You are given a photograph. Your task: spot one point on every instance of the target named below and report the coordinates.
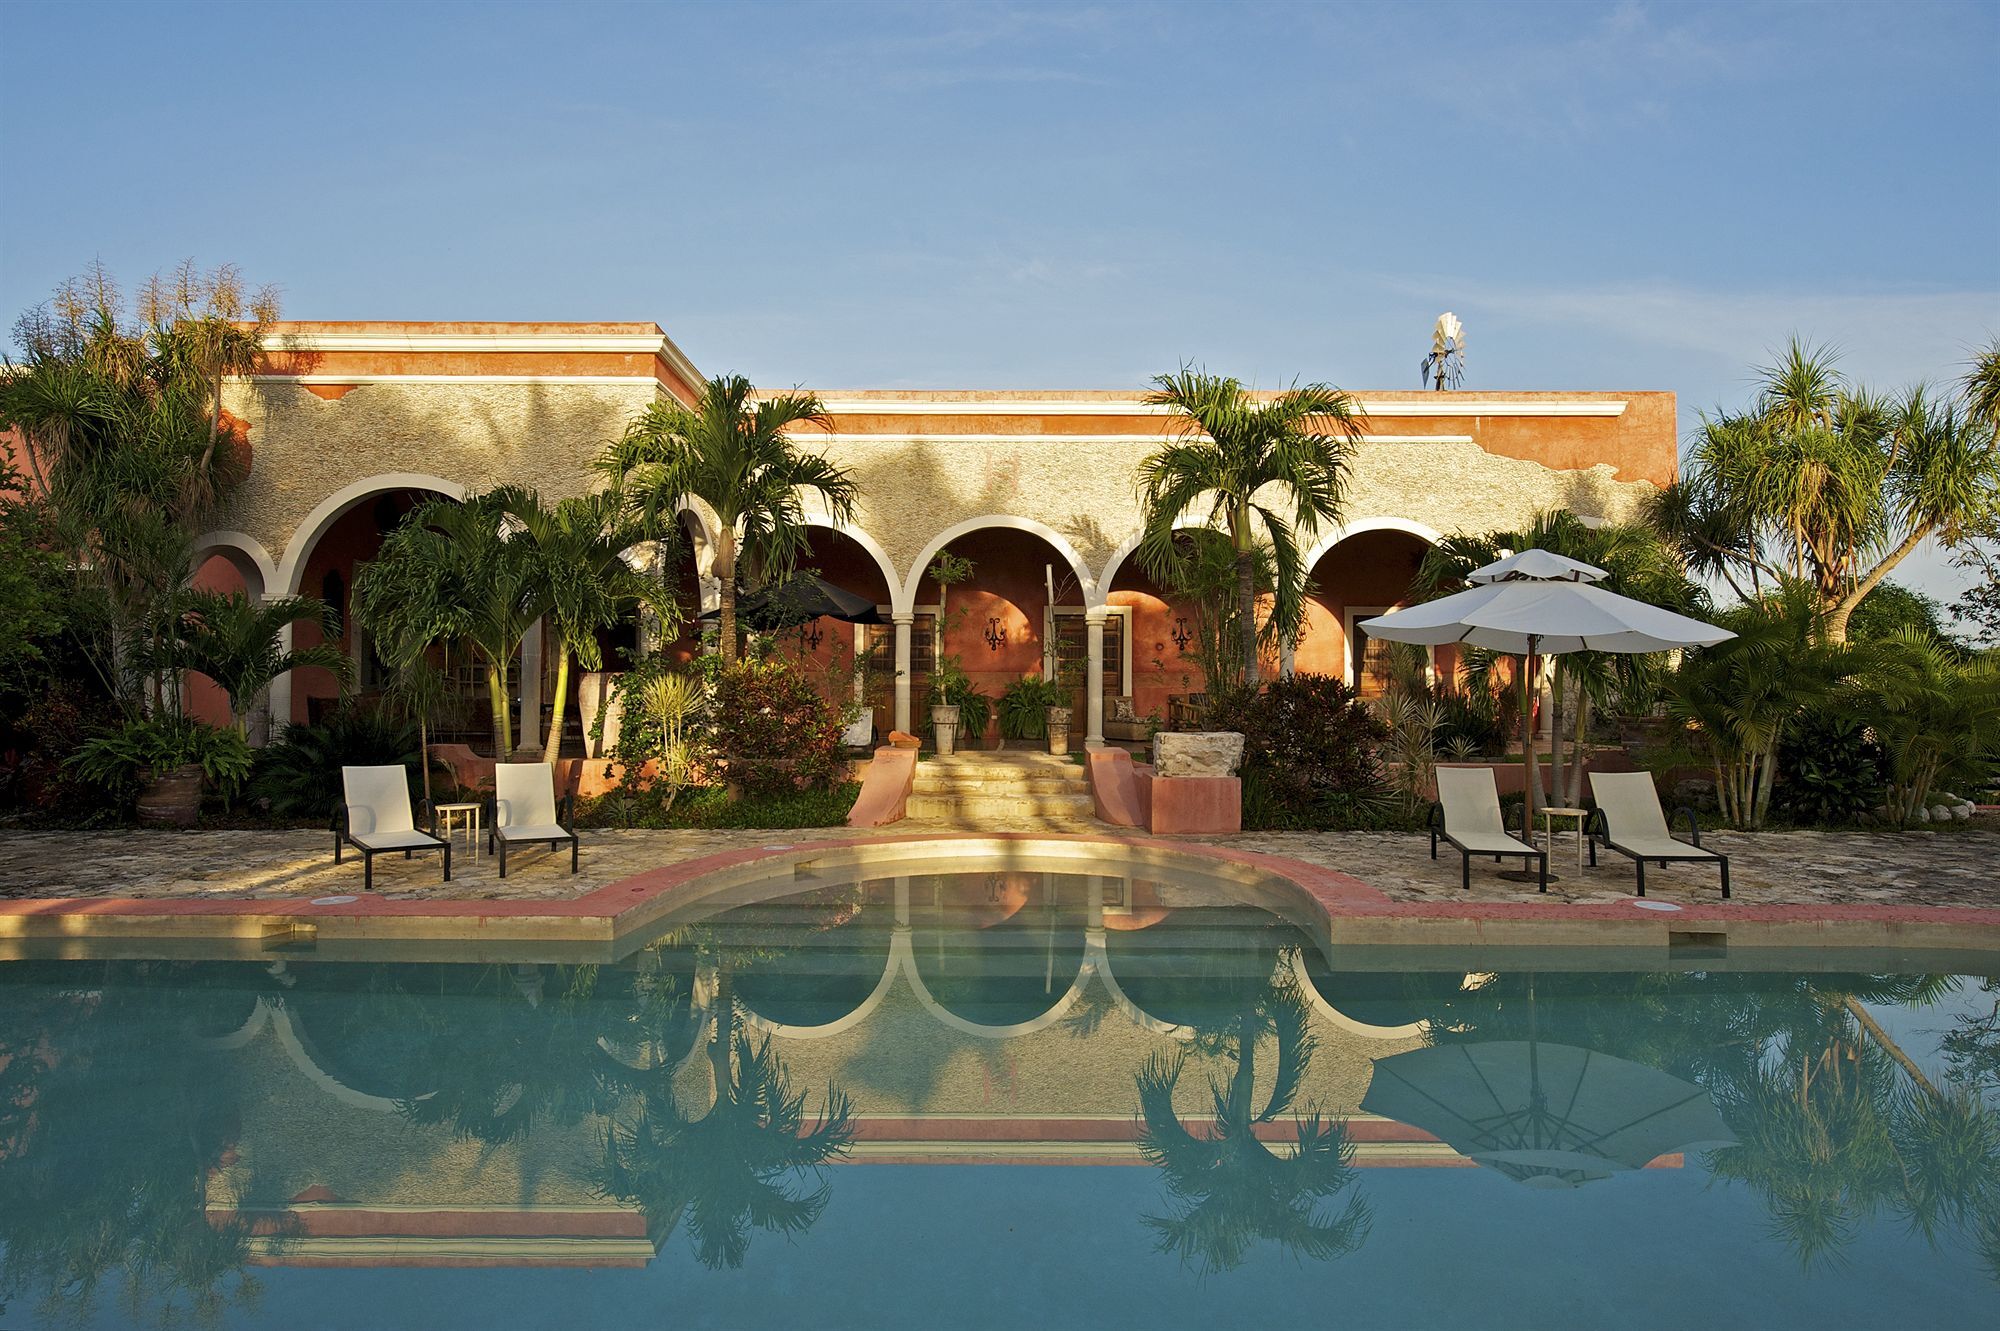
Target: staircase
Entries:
(1003, 791)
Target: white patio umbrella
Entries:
(1537, 603)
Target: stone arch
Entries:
(331, 509)
(907, 588)
(1320, 549)
(887, 567)
(245, 553)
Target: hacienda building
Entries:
(350, 424)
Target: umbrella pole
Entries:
(1528, 735)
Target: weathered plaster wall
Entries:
(304, 448)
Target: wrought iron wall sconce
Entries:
(996, 637)
(810, 635)
(1182, 634)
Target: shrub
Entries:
(1830, 769)
(1309, 757)
(54, 724)
(125, 759)
(300, 774)
(710, 806)
(952, 687)
(772, 730)
(1024, 707)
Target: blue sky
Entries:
(1610, 195)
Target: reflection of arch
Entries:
(907, 591)
(808, 994)
(329, 511)
(1428, 535)
(1302, 971)
(245, 553)
(301, 1054)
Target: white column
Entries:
(278, 697)
(1286, 655)
(1093, 685)
(903, 630)
(528, 729)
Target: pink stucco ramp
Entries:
(1114, 788)
(885, 791)
(1196, 805)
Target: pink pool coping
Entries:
(1339, 895)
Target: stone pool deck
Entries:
(1959, 867)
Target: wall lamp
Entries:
(996, 637)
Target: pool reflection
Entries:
(177, 1125)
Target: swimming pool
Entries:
(1032, 1096)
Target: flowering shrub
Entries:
(1309, 753)
(772, 731)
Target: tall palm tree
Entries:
(1248, 462)
(1230, 1189)
(733, 451)
(453, 573)
(235, 642)
(580, 548)
(1982, 385)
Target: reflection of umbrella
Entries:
(1534, 603)
(1548, 1115)
(801, 597)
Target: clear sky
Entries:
(1612, 196)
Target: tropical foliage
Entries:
(732, 453)
(771, 729)
(237, 643)
(1024, 706)
(1309, 753)
(1270, 473)
(299, 774)
(123, 760)
(1828, 483)
(1935, 715)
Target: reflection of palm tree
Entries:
(735, 1167)
(95, 1184)
(1229, 1188)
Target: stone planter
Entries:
(597, 692)
(1197, 753)
(1059, 719)
(172, 799)
(944, 729)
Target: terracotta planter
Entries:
(172, 799)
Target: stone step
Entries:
(974, 807)
(946, 784)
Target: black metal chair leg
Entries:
(447, 861)
(574, 847)
(1642, 876)
(1544, 885)
(1465, 872)
(336, 847)
(503, 857)
(408, 853)
(1725, 878)
(367, 871)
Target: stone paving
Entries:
(1956, 867)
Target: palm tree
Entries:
(453, 573)
(1982, 386)
(235, 642)
(1937, 716)
(729, 1169)
(1229, 1187)
(580, 546)
(735, 455)
(1246, 461)
(1825, 482)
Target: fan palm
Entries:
(453, 573)
(1270, 473)
(580, 548)
(733, 451)
(236, 642)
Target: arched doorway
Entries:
(1365, 571)
(1029, 606)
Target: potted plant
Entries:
(1032, 708)
(165, 762)
(949, 683)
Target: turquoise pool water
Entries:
(1029, 1098)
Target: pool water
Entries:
(1025, 1098)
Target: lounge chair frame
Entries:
(1439, 832)
(1598, 828)
(497, 838)
(343, 836)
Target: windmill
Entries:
(1445, 366)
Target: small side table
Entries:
(1582, 816)
(452, 816)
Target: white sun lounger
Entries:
(1467, 815)
(524, 811)
(1629, 821)
(375, 819)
